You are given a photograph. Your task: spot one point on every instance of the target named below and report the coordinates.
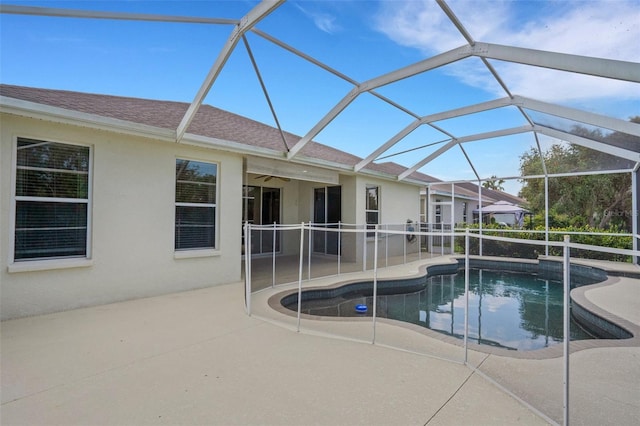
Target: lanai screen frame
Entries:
(598, 67)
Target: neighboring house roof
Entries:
(459, 191)
(209, 122)
(493, 195)
(470, 190)
(502, 207)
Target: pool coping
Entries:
(577, 296)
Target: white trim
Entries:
(287, 169)
(12, 203)
(201, 251)
(75, 118)
(49, 264)
(368, 186)
(196, 253)
(52, 199)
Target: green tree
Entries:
(494, 183)
(602, 200)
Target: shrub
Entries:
(584, 235)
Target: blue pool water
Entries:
(511, 310)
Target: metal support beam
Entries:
(588, 143)
(327, 68)
(470, 138)
(458, 112)
(598, 120)
(428, 159)
(495, 134)
(391, 142)
(121, 16)
(255, 15)
(434, 62)
(608, 68)
(265, 92)
(467, 110)
(324, 122)
(455, 21)
(473, 168)
(397, 75)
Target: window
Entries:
(464, 212)
(372, 210)
(438, 211)
(195, 205)
(51, 200)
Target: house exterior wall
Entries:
(132, 224)
(459, 211)
(397, 203)
(349, 199)
(446, 209)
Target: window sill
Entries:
(46, 265)
(190, 254)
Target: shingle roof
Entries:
(210, 122)
(492, 194)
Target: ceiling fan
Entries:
(267, 178)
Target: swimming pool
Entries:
(517, 311)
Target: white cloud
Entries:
(419, 24)
(606, 29)
(324, 21)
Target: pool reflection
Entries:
(510, 310)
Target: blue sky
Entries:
(361, 39)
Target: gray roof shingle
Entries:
(209, 121)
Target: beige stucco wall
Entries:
(398, 202)
(446, 209)
(132, 224)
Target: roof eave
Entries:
(54, 114)
(60, 115)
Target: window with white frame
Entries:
(438, 211)
(372, 210)
(196, 206)
(464, 212)
(51, 200)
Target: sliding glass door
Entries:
(327, 212)
(262, 207)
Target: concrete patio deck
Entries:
(197, 358)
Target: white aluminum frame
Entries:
(598, 67)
